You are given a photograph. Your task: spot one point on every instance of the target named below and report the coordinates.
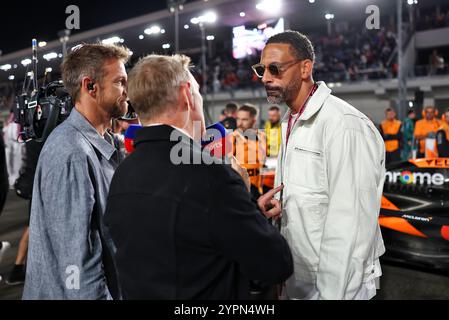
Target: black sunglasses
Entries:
(274, 68)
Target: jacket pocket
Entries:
(306, 168)
(303, 231)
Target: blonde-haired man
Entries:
(185, 230)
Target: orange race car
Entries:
(414, 212)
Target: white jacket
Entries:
(333, 171)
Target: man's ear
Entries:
(189, 94)
(306, 69)
(185, 99)
(89, 85)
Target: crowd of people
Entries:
(434, 19)
(412, 138)
(344, 56)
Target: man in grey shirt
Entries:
(69, 247)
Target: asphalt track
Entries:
(398, 281)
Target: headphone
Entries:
(90, 86)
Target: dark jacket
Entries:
(188, 231)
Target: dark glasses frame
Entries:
(274, 68)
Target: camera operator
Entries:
(69, 247)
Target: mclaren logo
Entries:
(423, 219)
(420, 178)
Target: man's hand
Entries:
(241, 171)
(269, 206)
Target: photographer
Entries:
(69, 248)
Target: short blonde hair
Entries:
(88, 61)
(153, 84)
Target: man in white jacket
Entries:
(332, 165)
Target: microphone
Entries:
(130, 114)
(130, 134)
(217, 140)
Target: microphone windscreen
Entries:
(217, 140)
(130, 134)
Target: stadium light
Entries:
(48, 70)
(11, 77)
(242, 14)
(311, 1)
(329, 17)
(152, 30)
(186, 26)
(25, 62)
(210, 38)
(209, 17)
(42, 44)
(112, 40)
(5, 67)
(412, 2)
(272, 6)
(50, 56)
(166, 46)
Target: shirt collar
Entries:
(313, 105)
(80, 123)
(158, 132)
(316, 101)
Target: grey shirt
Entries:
(71, 184)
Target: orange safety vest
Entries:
(423, 127)
(391, 128)
(250, 152)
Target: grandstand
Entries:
(360, 65)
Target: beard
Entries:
(119, 108)
(278, 94)
(116, 109)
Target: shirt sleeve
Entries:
(68, 199)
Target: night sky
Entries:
(21, 21)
